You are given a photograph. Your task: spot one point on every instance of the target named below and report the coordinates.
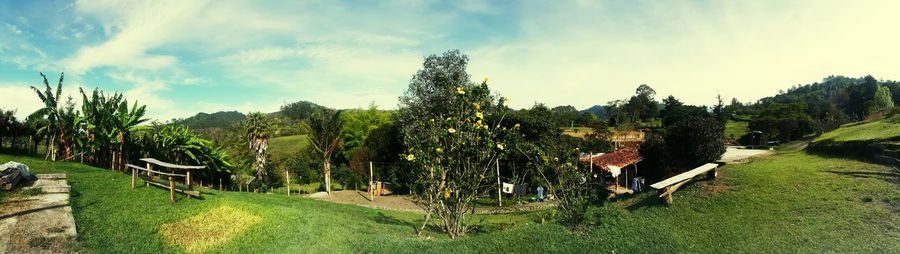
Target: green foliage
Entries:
(685, 145)
(784, 122)
(300, 110)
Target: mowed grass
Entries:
(885, 129)
(790, 202)
(736, 129)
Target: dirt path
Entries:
(405, 203)
(41, 222)
(737, 155)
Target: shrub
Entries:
(695, 141)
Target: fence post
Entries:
(499, 185)
(371, 179)
(172, 189)
(287, 176)
(133, 176)
(187, 181)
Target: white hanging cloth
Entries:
(508, 188)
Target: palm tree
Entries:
(325, 137)
(258, 129)
(51, 111)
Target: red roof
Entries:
(620, 158)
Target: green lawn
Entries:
(886, 129)
(790, 202)
(736, 129)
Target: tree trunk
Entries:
(327, 172)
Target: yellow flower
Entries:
(485, 127)
(446, 193)
(410, 157)
(451, 130)
(517, 126)
(476, 105)
(460, 90)
(479, 115)
(439, 150)
(478, 123)
(500, 146)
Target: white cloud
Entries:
(19, 97)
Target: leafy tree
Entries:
(51, 111)
(325, 136)
(642, 106)
(300, 110)
(882, 101)
(258, 129)
(453, 133)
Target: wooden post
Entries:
(149, 174)
(499, 185)
(172, 189)
(220, 183)
(133, 177)
(371, 180)
(187, 181)
(591, 163)
(287, 177)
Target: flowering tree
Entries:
(453, 146)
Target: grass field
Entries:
(789, 202)
(886, 129)
(736, 129)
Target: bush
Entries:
(695, 141)
(686, 144)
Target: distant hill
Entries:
(597, 110)
(220, 119)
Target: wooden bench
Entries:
(669, 186)
(147, 177)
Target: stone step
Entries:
(51, 176)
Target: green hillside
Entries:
(221, 119)
(886, 129)
(286, 146)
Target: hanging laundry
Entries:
(508, 188)
(519, 190)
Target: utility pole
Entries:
(287, 176)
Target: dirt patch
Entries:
(715, 187)
(406, 203)
(209, 229)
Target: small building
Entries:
(616, 170)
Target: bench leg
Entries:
(712, 174)
(667, 195)
(133, 177)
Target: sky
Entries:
(184, 57)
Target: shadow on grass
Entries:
(890, 177)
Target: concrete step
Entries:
(51, 176)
